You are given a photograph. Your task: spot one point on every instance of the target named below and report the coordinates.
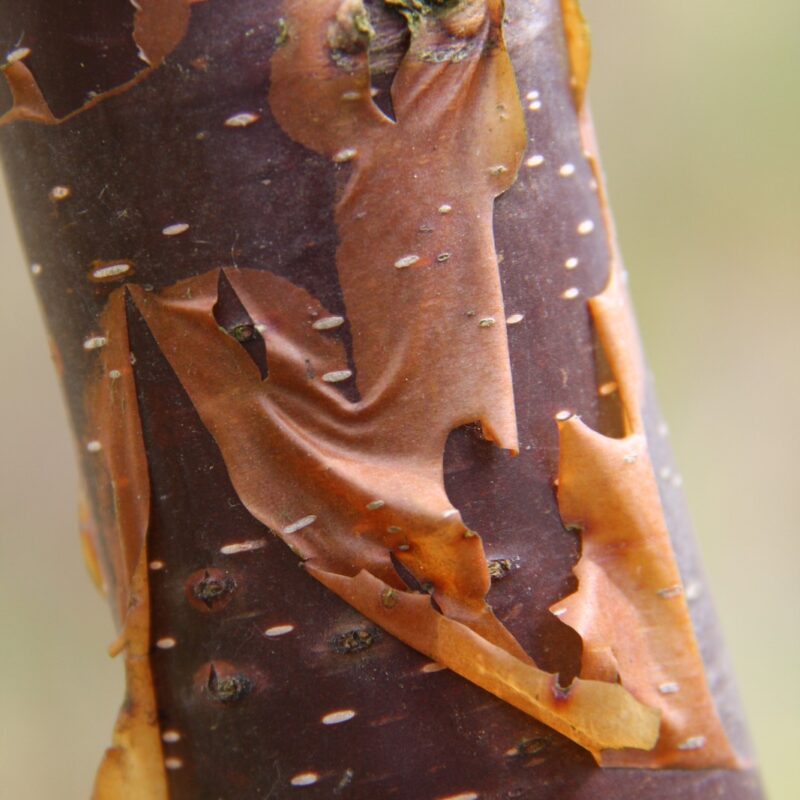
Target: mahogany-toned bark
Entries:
(370, 459)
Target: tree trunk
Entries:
(294, 258)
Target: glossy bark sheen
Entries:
(251, 696)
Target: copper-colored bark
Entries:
(426, 363)
(159, 27)
(579, 49)
(120, 527)
(630, 607)
(348, 470)
(345, 543)
(29, 103)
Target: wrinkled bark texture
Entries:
(196, 167)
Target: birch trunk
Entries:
(370, 456)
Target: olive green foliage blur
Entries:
(697, 106)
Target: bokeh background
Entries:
(697, 106)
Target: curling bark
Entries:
(334, 285)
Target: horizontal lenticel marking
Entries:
(337, 717)
(327, 323)
(242, 120)
(278, 630)
(337, 376)
(304, 779)
(243, 547)
(304, 522)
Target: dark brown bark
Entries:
(248, 705)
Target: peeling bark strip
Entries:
(119, 532)
(456, 87)
(423, 365)
(325, 468)
(630, 608)
(358, 348)
(159, 27)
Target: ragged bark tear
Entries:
(630, 608)
(159, 27)
(579, 49)
(134, 766)
(233, 318)
(357, 488)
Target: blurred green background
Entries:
(697, 106)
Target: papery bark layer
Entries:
(179, 165)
